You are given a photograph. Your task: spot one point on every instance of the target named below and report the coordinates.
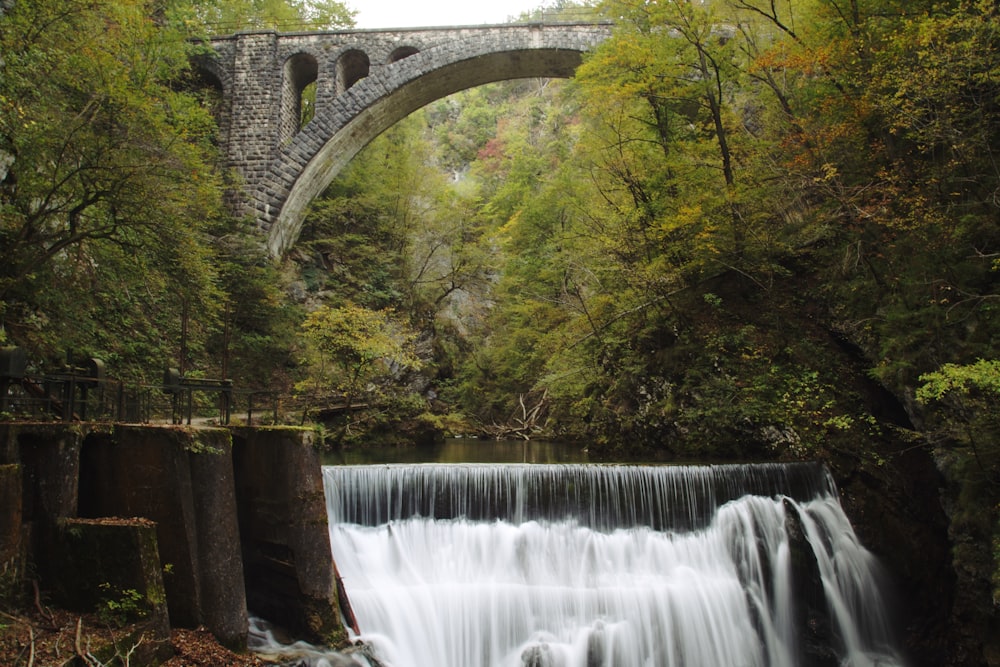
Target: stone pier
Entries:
(237, 519)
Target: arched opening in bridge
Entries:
(401, 230)
(298, 93)
(403, 52)
(352, 66)
(207, 85)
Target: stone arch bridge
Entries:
(365, 81)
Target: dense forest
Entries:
(746, 229)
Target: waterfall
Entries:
(605, 566)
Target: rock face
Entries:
(897, 510)
(6, 159)
(972, 506)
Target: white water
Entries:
(268, 644)
(597, 566)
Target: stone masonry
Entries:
(365, 81)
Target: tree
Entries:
(256, 340)
(354, 347)
(970, 392)
(108, 165)
(227, 16)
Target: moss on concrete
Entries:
(111, 566)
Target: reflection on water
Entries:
(465, 450)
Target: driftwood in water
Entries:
(521, 426)
(344, 602)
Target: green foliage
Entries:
(364, 226)
(981, 377)
(394, 233)
(259, 323)
(463, 124)
(114, 240)
(713, 300)
(104, 205)
(354, 346)
(228, 16)
(967, 397)
(118, 608)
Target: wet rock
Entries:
(814, 627)
(596, 643)
(539, 655)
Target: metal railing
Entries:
(81, 392)
(68, 398)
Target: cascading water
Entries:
(604, 566)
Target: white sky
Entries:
(422, 13)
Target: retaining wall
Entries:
(237, 518)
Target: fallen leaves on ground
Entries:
(49, 640)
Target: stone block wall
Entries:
(12, 542)
(113, 566)
(48, 458)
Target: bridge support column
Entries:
(11, 540)
(255, 101)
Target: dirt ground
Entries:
(35, 640)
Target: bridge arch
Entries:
(301, 70)
(402, 52)
(352, 66)
(367, 81)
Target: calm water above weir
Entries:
(465, 450)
